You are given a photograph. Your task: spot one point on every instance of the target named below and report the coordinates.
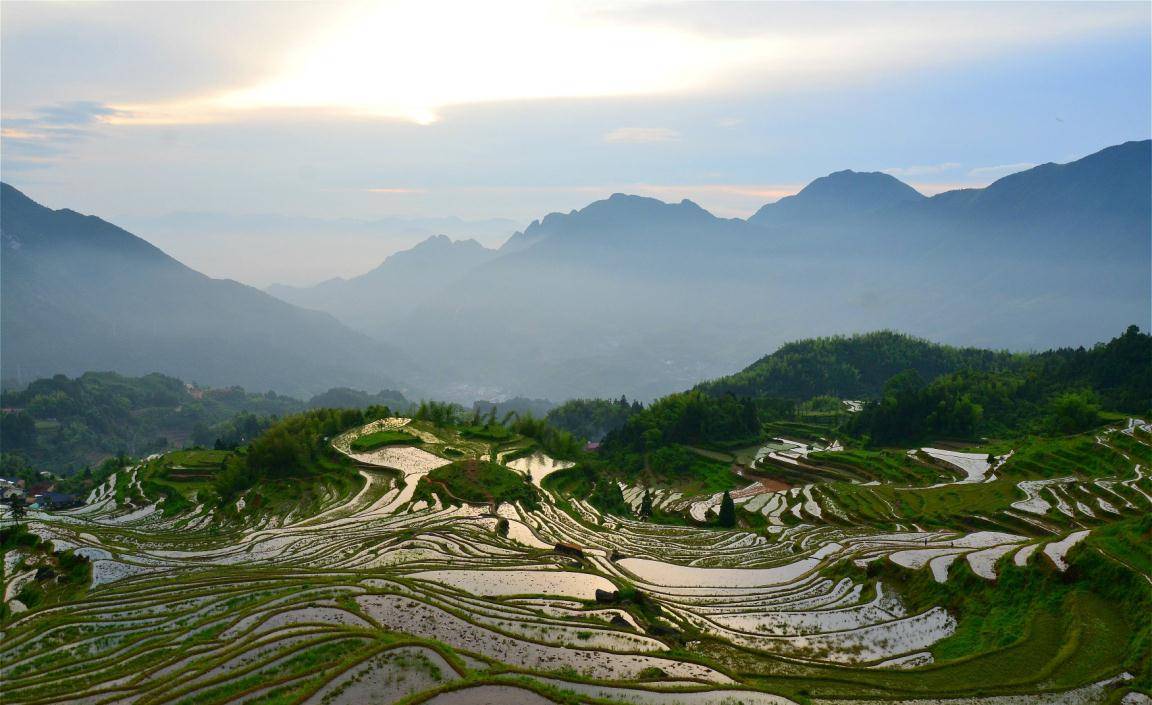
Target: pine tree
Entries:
(727, 511)
(646, 504)
(17, 508)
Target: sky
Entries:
(144, 112)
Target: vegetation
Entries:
(60, 575)
(478, 482)
(1060, 391)
(727, 517)
(297, 446)
(590, 482)
(379, 439)
(225, 582)
(556, 442)
(592, 418)
(65, 425)
(850, 367)
(690, 418)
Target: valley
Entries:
(394, 572)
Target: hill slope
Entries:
(79, 293)
(374, 301)
(849, 367)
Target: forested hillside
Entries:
(63, 424)
(1059, 391)
(850, 367)
(911, 390)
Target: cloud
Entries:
(642, 135)
(170, 66)
(729, 122)
(921, 169)
(80, 112)
(1001, 170)
(35, 140)
(395, 190)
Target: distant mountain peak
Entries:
(620, 213)
(442, 242)
(838, 195)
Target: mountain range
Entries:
(636, 296)
(78, 293)
(236, 245)
(376, 301)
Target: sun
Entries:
(412, 60)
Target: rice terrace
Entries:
(569, 352)
(446, 563)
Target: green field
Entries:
(379, 439)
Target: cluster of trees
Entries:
(293, 446)
(593, 418)
(439, 412)
(232, 433)
(691, 418)
(66, 424)
(1119, 371)
(850, 367)
(346, 398)
(555, 441)
(595, 482)
(521, 406)
(1060, 391)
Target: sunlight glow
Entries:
(414, 61)
(382, 63)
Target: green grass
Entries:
(950, 506)
(1039, 456)
(477, 482)
(379, 439)
(1128, 541)
(704, 475)
(887, 465)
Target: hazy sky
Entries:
(485, 110)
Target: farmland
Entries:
(468, 565)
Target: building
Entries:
(58, 500)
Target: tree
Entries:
(607, 497)
(671, 460)
(1073, 412)
(278, 453)
(646, 504)
(16, 506)
(17, 430)
(727, 511)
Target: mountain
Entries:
(632, 295)
(1111, 186)
(623, 222)
(235, 244)
(79, 293)
(596, 304)
(840, 195)
(375, 301)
